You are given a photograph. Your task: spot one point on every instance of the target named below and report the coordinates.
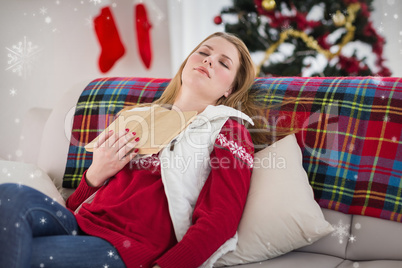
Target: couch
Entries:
(349, 130)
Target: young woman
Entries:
(158, 214)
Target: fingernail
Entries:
(110, 131)
(133, 133)
(136, 150)
(127, 130)
(137, 139)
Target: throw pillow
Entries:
(280, 214)
(29, 175)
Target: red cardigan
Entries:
(131, 210)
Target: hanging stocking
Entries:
(143, 27)
(109, 39)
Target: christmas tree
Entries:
(308, 38)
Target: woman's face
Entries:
(210, 71)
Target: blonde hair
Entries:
(240, 97)
(244, 78)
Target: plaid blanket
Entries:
(97, 106)
(349, 130)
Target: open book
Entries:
(156, 126)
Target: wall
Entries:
(387, 19)
(190, 23)
(65, 48)
(64, 54)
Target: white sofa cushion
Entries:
(280, 214)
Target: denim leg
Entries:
(67, 251)
(26, 213)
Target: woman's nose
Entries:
(208, 60)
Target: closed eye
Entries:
(203, 53)
(224, 65)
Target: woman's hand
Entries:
(111, 153)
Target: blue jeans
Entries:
(36, 231)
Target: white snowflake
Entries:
(21, 57)
(18, 153)
(352, 239)
(13, 92)
(48, 20)
(42, 220)
(110, 253)
(127, 243)
(43, 10)
(89, 22)
(95, 1)
(105, 266)
(341, 231)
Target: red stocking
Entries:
(143, 27)
(109, 39)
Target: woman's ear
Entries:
(227, 93)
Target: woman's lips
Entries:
(203, 70)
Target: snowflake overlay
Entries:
(21, 57)
(341, 231)
(95, 2)
(42, 220)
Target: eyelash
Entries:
(205, 54)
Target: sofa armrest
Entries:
(52, 156)
(29, 175)
(32, 131)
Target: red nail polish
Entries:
(137, 139)
(127, 130)
(136, 150)
(134, 133)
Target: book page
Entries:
(155, 127)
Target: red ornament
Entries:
(218, 20)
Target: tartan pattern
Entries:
(349, 130)
(100, 101)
